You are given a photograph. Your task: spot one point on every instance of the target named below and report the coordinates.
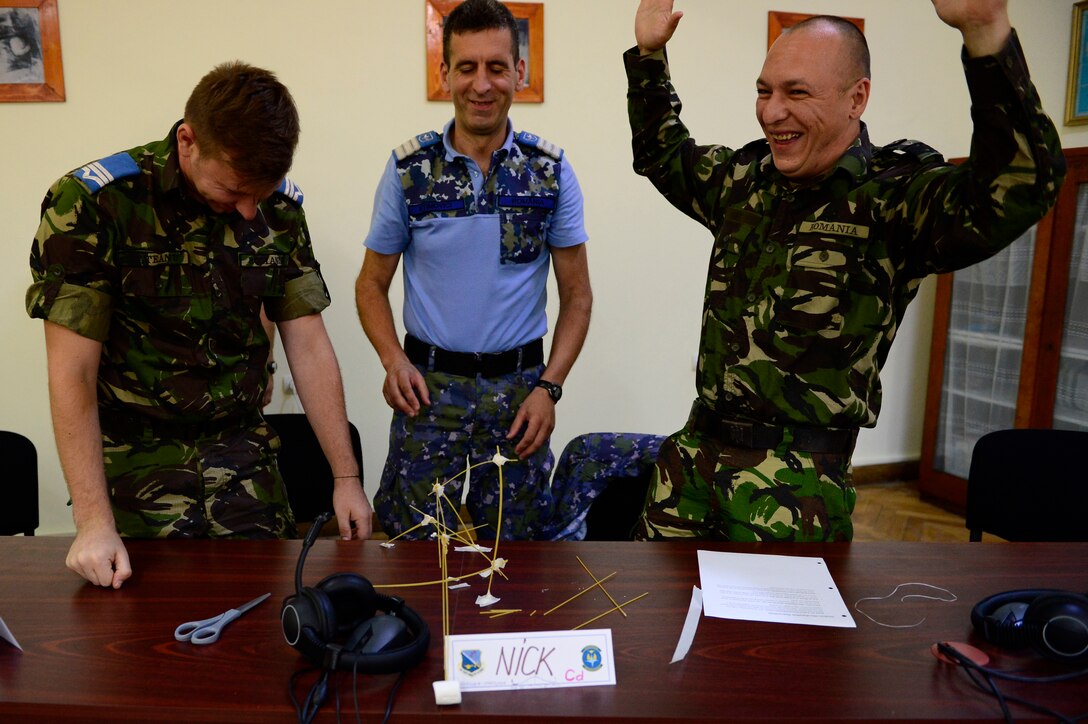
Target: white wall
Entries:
(357, 70)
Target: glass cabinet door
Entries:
(989, 309)
(1071, 402)
(1010, 341)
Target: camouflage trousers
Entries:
(464, 426)
(224, 485)
(703, 488)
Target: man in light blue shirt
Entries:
(478, 212)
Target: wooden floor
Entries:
(893, 511)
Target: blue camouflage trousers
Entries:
(464, 426)
(466, 422)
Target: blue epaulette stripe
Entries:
(417, 143)
(288, 188)
(428, 139)
(534, 141)
(97, 174)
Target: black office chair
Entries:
(1029, 485)
(19, 511)
(305, 470)
(613, 470)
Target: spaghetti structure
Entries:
(448, 691)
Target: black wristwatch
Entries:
(271, 367)
(554, 391)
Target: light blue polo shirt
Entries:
(458, 295)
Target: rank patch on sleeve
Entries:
(288, 188)
(98, 174)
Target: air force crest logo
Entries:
(591, 658)
(471, 661)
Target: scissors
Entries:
(207, 631)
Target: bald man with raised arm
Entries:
(821, 240)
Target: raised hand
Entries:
(655, 22)
(984, 24)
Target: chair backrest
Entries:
(616, 511)
(604, 477)
(19, 511)
(305, 470)
(1029, 485)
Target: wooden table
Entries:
(104, 655)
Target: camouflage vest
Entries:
(522, 188)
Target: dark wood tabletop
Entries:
(103, 655)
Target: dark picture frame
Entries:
(777, 21)
(1076, 96)
(31, 68)
(530, 17)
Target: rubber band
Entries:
(922, 596)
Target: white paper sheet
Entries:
(778, 589)
(691, 623)
(7, 635)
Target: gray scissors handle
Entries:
(206, 631)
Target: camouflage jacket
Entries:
(808, 284)
(125, 255)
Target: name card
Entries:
(535, 660)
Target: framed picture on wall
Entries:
(530, 19)
(30, 61)
(1076, 96)
(778, 21)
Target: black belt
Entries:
(469, 364)
(762, 436)
(120, 423)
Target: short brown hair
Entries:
(473, 16)
(246, 117)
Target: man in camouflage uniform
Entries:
(821, 239)
(151, 268)
(477, 212)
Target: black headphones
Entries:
(343, 607)
(1053, 622)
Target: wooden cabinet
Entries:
(1010, 342)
